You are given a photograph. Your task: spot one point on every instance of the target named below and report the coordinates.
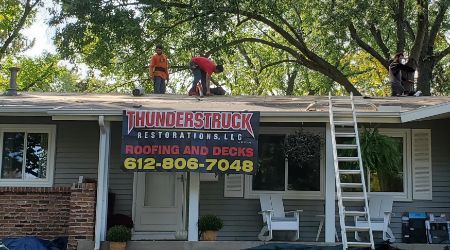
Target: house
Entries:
(73, 135)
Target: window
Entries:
(397, 186)
(278, 175)
(26, 154)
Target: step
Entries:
(347, 159)
(343, 123)
(359, 244)
(356, 229)
(346, 146)
(346, 134)
(353, 198)
(349, 171)
(351, 185)
(354, 213)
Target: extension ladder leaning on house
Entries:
(350, 184)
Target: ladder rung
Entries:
(349, 134)
(356, 229)
(349, 171)
(359, 244)
(351, 185)
(344, 123)
(355, 213)
(342, 109)
(348, 159)
(353, 198)
(345, 101)
(346, 146)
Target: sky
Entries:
(40, 31)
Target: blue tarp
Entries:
(35, 243)
(289, 246)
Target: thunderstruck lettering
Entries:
(190, 120)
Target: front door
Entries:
(159, 203)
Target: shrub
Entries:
(210, 222)
(119, 234)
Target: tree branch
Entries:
(399, 18)
(442, 54)
(443, 7)
(366, 46)
(46, 72)
(410, 30)
(422, 24)
(379, 40)
(276, 63)
(20, 24)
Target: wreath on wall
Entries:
(302, 147)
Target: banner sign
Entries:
(181, 141)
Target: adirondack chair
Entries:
(380, 209)
(274, 217)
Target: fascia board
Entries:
(425, 112)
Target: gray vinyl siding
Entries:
(241, 218)
(242, 221)
(440, 145)
(120, 183)
(76, 151)
(76, 147)
(77, 154)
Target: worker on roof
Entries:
(159, 70)
(202, 69)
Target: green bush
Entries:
(209, 222)
(119, 233)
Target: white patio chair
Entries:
(274, 217)
(380, 209)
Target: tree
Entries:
(43, 73)
(394, 26)
(109, 33)
(14, 16)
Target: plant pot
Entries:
(209, 235)
(117, 245)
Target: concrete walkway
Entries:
(236, 245)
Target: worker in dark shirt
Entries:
(395, 75)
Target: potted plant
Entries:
(118, 237)
(208, 225)
(382, 155)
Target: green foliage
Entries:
(302, 147)
(210, 222)
(43, 73)
(380, 153)
(119, 233)
(12, 12)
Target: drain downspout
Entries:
(102, 186)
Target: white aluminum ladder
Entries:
(349, 171)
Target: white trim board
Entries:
(426, 113)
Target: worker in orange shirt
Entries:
(158, 70)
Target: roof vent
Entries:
(12, 91)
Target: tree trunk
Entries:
(425, 73)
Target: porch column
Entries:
(330, 189)
(194, 196)
(102, 186)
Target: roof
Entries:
(73, 106)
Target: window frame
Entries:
(31, 128)
(406, 195)
(249, 193)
